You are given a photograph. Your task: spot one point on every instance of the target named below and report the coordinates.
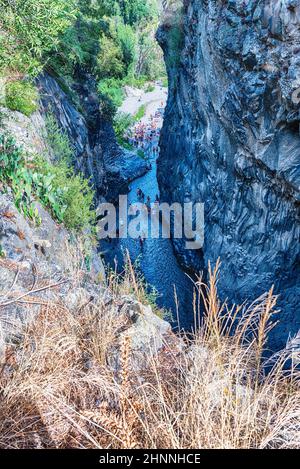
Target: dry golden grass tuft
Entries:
(59, 388)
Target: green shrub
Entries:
(11, 157)
(29, 30)
(21, 96)
(165, 82)
(121, 123)
(150, 88)
(107, 108)
(58, 140)
(67, 195)
(133, 11)
(110, 59)
(13, 172)
(135, 82)
(117, 49)
(78, 46)
(112, 88)
(140, 113)
(73, 198)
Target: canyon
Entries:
(109, 167)
(136, 336)
(230, 140)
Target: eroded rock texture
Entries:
(231, 140)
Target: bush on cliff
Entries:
(74, 196)
(21, 96)
(122, 122)
(67, 195)
(111, 88)
(58, 140)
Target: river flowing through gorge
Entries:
(154, 257)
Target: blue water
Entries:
(156, 259)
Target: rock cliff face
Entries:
(231, 140)
(33, 257)
(41, 267)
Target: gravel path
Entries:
(152, 101)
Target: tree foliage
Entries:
(117, 49)
(29, 29)
(132, 11)
(112, 39)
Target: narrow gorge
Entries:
(149, 225)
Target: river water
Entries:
(155, 257)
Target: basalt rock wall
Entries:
(231, 140)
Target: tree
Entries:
(110, 59)
(117, 54)
(126, 38)
(29, 30)
(132, 11)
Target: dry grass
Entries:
(61, 388)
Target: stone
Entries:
(77, 298)
(148, 334)
(41, 243)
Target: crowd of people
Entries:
(145, 136)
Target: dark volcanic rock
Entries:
(231, 140)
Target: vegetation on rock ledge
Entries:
(21, 96)
(67, 195)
